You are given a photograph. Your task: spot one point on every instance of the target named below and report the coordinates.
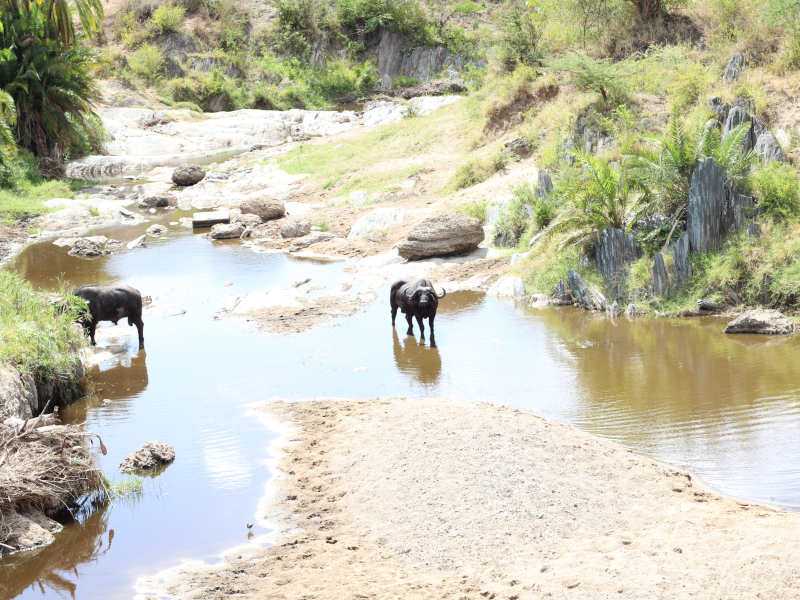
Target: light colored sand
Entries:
(443, 499)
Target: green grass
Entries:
(35, 336)
(476, 209)
(28, 200)
(130, 486)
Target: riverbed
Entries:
(725, 408)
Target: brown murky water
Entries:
(728, 408)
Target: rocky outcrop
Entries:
(443, 87)
(443, 235)
(375, 223)
(734, 67)
(266, 208)
(714, 209)
(614, 250)
(519, 146)
(27, 529)
(544, 186)
(149, 456)
(227, 231)
(660, 278)
(397, 55)
(89, 247)
(188, 175)
(768, 148)
(738, 115)
(157, 201)
(680, 259)
(764, 321)
(582, 296)
(294, 228)
(248, 220)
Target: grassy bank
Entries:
(36, 336)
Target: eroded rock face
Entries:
(764, 321)
(613, 252)
(149, 456)
(562, 296)
(227, 231)
(768, 148)
(660, 278)
(265, 207)
(581, 294)
(443, 235)
(680, 257)
(28, 530)
(294, 228)
(734, 67)
(188, 175)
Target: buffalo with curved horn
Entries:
(416, 300)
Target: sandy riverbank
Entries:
(437, 498)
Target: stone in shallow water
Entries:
(227, 231)
(759, 320)
(189, 175)
(150, 455)
(203, 220)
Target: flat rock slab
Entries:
(769, 322)
(203, 220)
(443, 235)
(151, 455)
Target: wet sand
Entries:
(432, 498)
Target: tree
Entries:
(57, 16)
(603, 77)
(591, 14)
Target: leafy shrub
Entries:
(167, 18)
(467, 7)
(603, 77)
(401, 81)
(340, 78)
(511, 224)
(777, 187)
(470, 173)
(146, 62)
(521, 34)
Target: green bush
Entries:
(606, 78)
(467, 7)
(341, 78)
(146, 62)
(511, 224)
(521, 34)
(777, 188)
(167, 18)
(476, 209)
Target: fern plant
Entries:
(604, 196)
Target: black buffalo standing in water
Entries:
(418, 300)
(112, 303)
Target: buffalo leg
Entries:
(433, 335)
(140, 329)
(394, 314)
(421, 327)
(410, 331)
(92, 328)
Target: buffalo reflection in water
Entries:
(414, 358)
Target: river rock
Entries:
(734, 67)
(139, 242)
(714, 210)
(264, 206)
(660, 277)
(680, 259)
(150, 455)
(562, 296)
(189, 175)
(159, 201)
(581, 294)
(227, 231)
(760, 320)
(294, 228)
(509, 286)
(768, 148)
(443, 235)
(613, 252)
(27, 530)
(156, 230)
(18, 395)
(201, 220)
(87, 248)
(248, 220)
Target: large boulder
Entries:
(157, 201)
(613, 252)
(264, 206)
(188, 175)
(443, 235)
(149, 456)
(294, 228)
(760, 320)
(715, 210)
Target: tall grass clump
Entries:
(777, 188)
(37, 337)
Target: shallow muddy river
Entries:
(727, 408)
